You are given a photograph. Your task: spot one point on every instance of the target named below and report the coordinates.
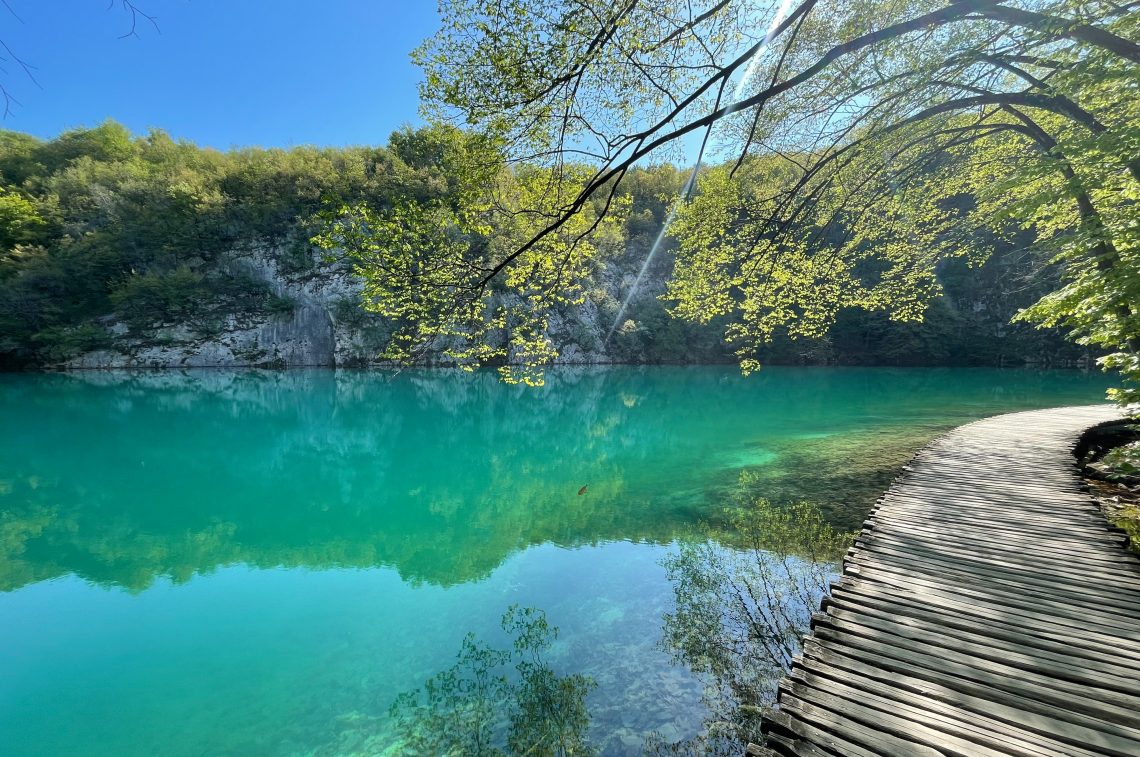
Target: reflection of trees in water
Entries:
(122, 478)
(744, 592)
(492, 702)
(742, 612)
(315, 469)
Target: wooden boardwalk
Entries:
(986, 608)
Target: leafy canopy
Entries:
(429, 261)
(862, 144)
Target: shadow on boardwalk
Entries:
(986, 608)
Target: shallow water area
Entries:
(258, 563)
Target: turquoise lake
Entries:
(258, 563)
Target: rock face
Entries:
(326, 326)
(316, 319)
(306, 336)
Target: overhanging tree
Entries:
(856, 143)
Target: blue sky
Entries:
(220, 72)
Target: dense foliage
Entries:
(97, 223)
(456, 242)
(864, 144)
(105, 237)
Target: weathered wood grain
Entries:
(986, 608)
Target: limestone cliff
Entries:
(326, 325)
(317, 320)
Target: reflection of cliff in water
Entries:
(122, 478)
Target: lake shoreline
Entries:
(261, 561)
(395, 369)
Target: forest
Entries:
(110, 238)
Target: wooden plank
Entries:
(961, 506)
(1077, 573)
(979, 520)
(1033, 501)
(755, 750)
(1101, 658)
(997, 689)
(985, 608)
(787, 746)
(1101, 599)
(1105, 671)
(1124, 601)
(1060, 614)
(1041, 688)
(975, 611)
(973, 727)
(1038, 717)
(986, 534)
(1004, 661)
(1071, 506)
(919, 734)
(793, 722)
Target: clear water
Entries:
(249, 563)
